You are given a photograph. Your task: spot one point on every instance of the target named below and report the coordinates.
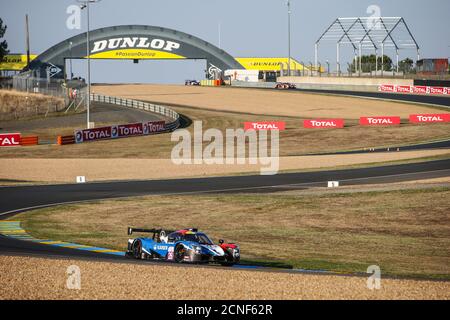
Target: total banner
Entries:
(414, 89)
(94, 134)
(429, 118)
(119, 131)
(129, 130)
(153, 127)
(379, 121)
(9, 139)
(268, 125)
(323, 123)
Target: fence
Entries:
(52, 87)
(368, 70)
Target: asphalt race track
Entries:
(421, 146)
(440, 101)
(22, 198)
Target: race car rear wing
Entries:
(131, 230)
(154, 231)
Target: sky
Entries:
(247, 28)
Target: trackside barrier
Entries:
(131, 129)
(29, 141)
(120, 131)
(414, 89)
(62, 140)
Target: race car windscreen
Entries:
(199, 237)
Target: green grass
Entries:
(405, 232)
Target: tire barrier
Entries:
(29, 141)
(63, 140)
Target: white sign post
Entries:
(81, 179)
(333, 184)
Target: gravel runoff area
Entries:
(267, 102)
(66, 170)
(43, 278)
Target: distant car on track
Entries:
(191, 83)
(285, 86)
(186, 245)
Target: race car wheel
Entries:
(180, 251)
(137, 249)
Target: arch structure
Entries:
(133, 42)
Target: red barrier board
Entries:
(387, 88)
(323, 123)
(429, 118)
(404, 89)
(421, 89)
(94, 134)
(379, 121)
(9, 139)
(268, 125)
(438, 90)
(153, 127)
(414, 89)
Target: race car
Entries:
(191, 83)
(186, 245)
(285, 85)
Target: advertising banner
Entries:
(9, 139)
(438, 90)
(421, 89)
(387, 88)
(414, 89)
(404, 89)
(272, 125)
(429, 118)
(154, 127)
(323, 123)
(95, 134)
(379, 121)
(120, 131)
(129, 130)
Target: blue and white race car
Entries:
(186, 245)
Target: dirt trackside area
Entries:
(66, 170)
(404, 229)
(264, 102)
(295, 140)
(17, 105)
(38, 278)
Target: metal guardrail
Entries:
(130, 103)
